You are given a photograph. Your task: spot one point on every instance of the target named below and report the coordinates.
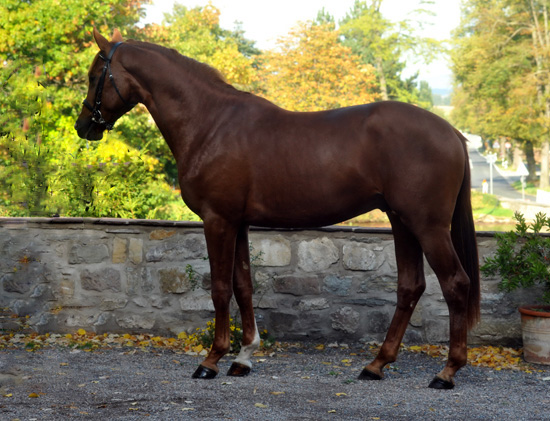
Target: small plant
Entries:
(522, 258)
(206, 336)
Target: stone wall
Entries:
(335, 284)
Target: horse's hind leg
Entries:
(455, 284)
(243, 290)
(411, 285)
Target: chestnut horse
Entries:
(244, 161)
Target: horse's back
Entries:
(349, 161)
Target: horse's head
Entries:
(109, 91)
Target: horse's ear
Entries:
(117, 37)
(101, 41)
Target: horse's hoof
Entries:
(439, 383)
(203, 372)
(238, 370)
(369, 375)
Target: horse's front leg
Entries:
(220, 241)
(242, 287)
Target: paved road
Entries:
(501, 185)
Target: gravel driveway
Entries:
(297, 383)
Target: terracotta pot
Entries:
(535, 326)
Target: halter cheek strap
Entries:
(95, 109)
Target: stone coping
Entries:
(191, 224)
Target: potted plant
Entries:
(522, 260)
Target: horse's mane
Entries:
(189, 63)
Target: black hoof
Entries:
(369, 375)
(203, 372)
(238, 370)
(439, 383)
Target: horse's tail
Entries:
(464, 239)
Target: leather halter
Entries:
(96, 113)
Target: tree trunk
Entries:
(382, 79)
(530, 158)
(516, 159)
(544, 176)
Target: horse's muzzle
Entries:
(88, 130)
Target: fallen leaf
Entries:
(341, 394)
(260, 405)
(277, 393)
(187, 409)
(8, 395)
(332, 411)
(81, 332)
(320, 347)
(33, 395)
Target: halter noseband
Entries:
(96, 113)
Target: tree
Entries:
(383, 44)
(196, 33)
(312, 70)
(45, 169)
(502, 72)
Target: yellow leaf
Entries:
(260, 405)
(33, 395)
(320, 347)
(69, 336)
(182, 335)
(8, 395)
(346, 360)
(341, 394)
(332, 411)
(415, 348)
(81, 332)
(277, 393)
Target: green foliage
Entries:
(522, 258)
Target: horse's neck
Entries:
(182, 101)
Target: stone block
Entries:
(178, 249)
(273, 251)
(198, 300)
(100, 280)
(317, 255)
(135, 250)
(311, 304)
(345, 319)
(88, 253)
(119, 250)
(109, 304)
(297, 285)
(65, 288)
(24, 278)
(136, 321)
(161, 234)
(140, 302)
(174, 281)
(283, 322)
(377, 321)
(337, 285)
(359, 256)
(44, 292)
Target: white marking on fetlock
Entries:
(247, 350)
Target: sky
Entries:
(264, 21)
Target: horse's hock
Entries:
(335, 284)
